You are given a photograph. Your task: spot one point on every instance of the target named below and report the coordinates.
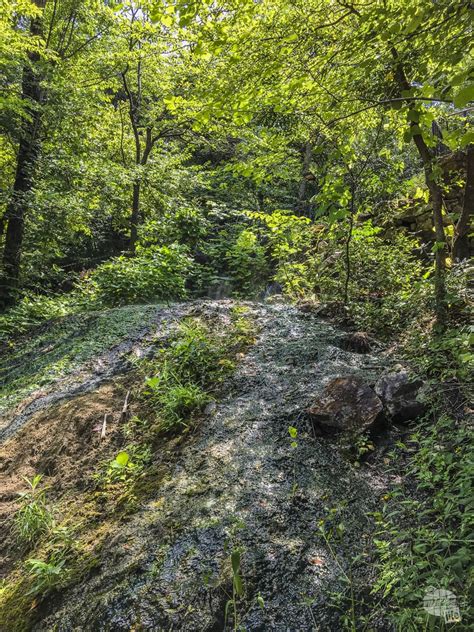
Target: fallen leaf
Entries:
(316, 561)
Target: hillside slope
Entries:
(234, 487)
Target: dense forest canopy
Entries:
(133, 126)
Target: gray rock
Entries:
(399, 392)
(347, 404)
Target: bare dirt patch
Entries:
(63, 443)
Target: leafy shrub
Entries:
(384, 281)
(246, 262)
(386, 287)
(157, 273)
(291, 246)
(184, 225)
(445, 355)
(33, 519)
(33, 310)
(432, 530)
(176, 402)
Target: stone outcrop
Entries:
(347, 405)
(400, 395)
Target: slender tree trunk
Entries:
(28, 153)
(461, 244)
(348, 246)
(135, 216)
(141, 156)
(302, 204)
(436, 199)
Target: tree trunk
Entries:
(436, 199)
(135, 216)
(302, 204)
(28, 153)
(348, 245)
(461, 244)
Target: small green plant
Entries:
(237, 588)
(33, 519)
(189, 369)
(332, 533)
(360, 448)
(45, 575)
(293, 432)
(126, 466)
(193, 352)
(175, 401)
(180, 402)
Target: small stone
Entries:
(210, 408)
(347, 404)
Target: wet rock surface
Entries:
(237, 482)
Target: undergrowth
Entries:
(33, 519)
(426, 529)
(185, 375)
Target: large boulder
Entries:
(400, 393)
(347, 405)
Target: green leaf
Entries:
(414, 23)
(235, 559)
(152, 382)
(413, 115)
(464, 95)
(167, 20)
(238, 585)
(228, 605)
(467, 138)
(407, 136)
(293, 432)
(122, 459)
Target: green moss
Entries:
(58, 349)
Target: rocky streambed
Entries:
(292, 505)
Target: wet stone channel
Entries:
(238, 483)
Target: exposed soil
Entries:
(62, 443)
